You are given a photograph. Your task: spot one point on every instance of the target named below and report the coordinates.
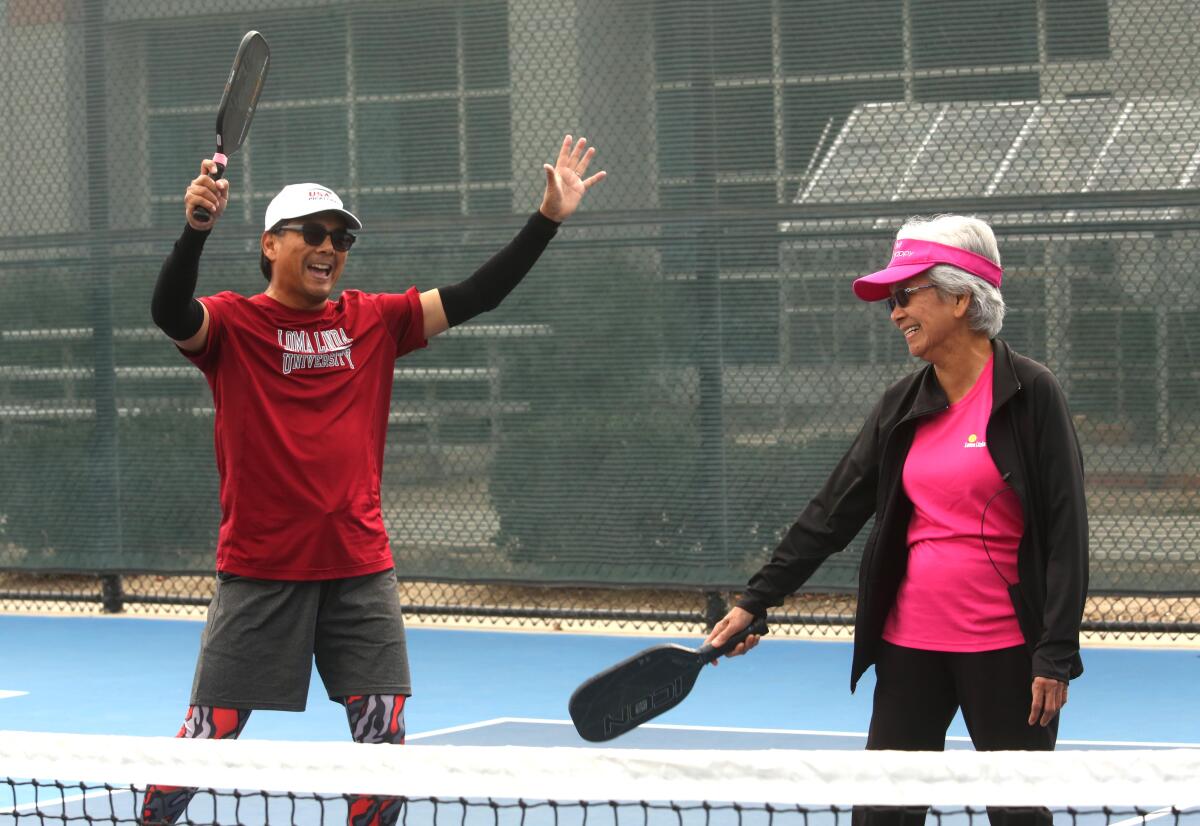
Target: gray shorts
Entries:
(261, 637)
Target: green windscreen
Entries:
(685, 365)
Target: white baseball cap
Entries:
(299, 200)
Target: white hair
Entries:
(986, 313)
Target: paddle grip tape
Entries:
(758, 627)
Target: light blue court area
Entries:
(115, 675)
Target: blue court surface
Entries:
(115, 675)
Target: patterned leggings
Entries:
(374, 718)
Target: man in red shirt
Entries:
(302, 387)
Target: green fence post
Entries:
(105, 461)
(710, 347)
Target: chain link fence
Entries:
(627, 437)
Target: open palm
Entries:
(565, 181)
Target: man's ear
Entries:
(270, 245)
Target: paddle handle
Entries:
(200, 213)
(708, 654)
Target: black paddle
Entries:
(642, 687)
(238, 102)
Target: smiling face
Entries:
(931, 322)
(303, 276)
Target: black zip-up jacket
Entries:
(1033, 443)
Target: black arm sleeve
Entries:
(1063, 498)
(173, 308)
(488, 285)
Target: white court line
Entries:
(61, 801)
(469, 726)
(1138, 744)
(1133, 744)
(1155, 815)
(6, 694)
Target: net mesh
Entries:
(261, 782)
(685, 365)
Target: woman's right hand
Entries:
(208, 193)
(736, 620)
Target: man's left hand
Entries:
(565, 184)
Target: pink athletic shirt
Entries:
(302, 401)
(951, 597)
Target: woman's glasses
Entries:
(315, 235)
(900, 298)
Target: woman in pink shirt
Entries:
(972, 582)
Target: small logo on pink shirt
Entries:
(973, 441)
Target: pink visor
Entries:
(911, 257)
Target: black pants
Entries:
(916, 696)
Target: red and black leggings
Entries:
(373, 718)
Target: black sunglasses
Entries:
(901, 297)
(315, 235)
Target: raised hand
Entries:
(565, 184)
(204, 191)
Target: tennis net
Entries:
(260, 782)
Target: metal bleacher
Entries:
(913, 151)
(64, 393)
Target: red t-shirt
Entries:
(302, 401)
(954, 596)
